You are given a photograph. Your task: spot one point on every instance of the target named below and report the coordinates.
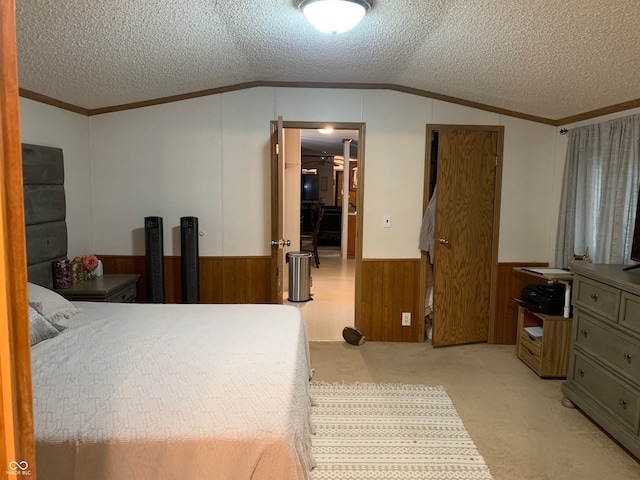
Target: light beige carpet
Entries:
(368, 431)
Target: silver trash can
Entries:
(299, 276)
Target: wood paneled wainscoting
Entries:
(222, 279)
(391, 286)
(388, 288)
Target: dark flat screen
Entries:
(310, 187)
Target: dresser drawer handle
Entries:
(581, 372)
(594, 297)
(627, 357)
(623, 403)
(584, 333)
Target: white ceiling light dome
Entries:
(334, 16)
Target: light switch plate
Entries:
(387, 221)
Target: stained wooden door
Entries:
(465, 236)
(277, 210)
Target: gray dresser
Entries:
(604, 370)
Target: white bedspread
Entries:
(153, 392)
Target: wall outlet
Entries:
(387, 221)
(406, 319)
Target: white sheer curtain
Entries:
(600, 192)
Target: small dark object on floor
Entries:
(353, 336)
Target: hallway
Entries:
(333, 294)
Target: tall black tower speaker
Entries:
(190, 260)
(154, 248)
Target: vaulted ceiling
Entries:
(547, 58)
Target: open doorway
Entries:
(320, 216)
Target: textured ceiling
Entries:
(548, 58)
(314, 142)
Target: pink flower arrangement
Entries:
(89, 262)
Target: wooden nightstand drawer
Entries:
(598, 298)
(531, 343)
(532, 359)
(613, 349)
(619, 400)
(128, 295)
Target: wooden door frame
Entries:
(493, 288)
(16, 404)
(277, 195)
(360, 127)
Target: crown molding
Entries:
(356, 86)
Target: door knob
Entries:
(444, 241)
(281, 243)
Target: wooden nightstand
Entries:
(547, 354)
(115, 288)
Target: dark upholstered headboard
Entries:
(44, 211)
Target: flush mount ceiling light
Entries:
(334, 16)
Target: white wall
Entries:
(42, 124)
(165, 161)
(246, 200)
(393, 172)
(209, 157)
(528, 202)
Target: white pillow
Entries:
(52, 306)
(39, 328)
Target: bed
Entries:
(152, 391)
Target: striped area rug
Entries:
(368, 431)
